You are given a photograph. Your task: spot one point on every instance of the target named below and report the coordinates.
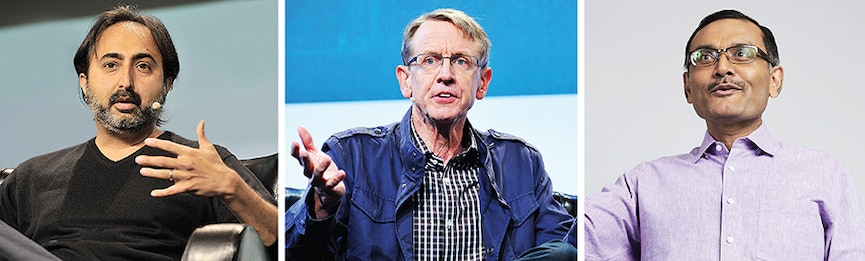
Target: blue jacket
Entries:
(384, 169)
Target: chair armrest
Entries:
(569, 202)
(228, 241)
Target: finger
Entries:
(335, 179)
(156, 161)
(166, 174)
(295, 150)
(203, 142)
(306, 138)
(315, 169)
(169, 191)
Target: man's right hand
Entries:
(324, 176)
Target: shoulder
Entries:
(54, 159)
(492, 136)
(366, 132)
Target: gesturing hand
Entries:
(198, 171)
(324, 176)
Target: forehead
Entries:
(127, 38)
(728, 32)
(442, 37)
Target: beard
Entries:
(125, 121)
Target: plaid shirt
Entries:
(447, 220)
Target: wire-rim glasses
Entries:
(739, 54)
(430, 62)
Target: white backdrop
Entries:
(635, 106)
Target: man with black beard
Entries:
(134, 191)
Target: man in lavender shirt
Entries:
(740, 195)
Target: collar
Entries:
(760, 141)
(467, 141)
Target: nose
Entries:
(446, 73)
(125, 79)
(723, 67)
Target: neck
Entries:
(117, 146)
(727, 133)
(444, 139)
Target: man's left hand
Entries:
(198, 171)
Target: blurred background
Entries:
(635, 105)
(228, 74)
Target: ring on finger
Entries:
(171, 175)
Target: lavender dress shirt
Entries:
(761, 200)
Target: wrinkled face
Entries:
(727, 93)
(125, 78)
(444, 94)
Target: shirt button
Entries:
(730, 201)
(718, 147)
(449, 224)
(446, 180)
(731, 168)
(730, 240)
(403, 185)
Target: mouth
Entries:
(725, 88)
(445, 97)
(124, 102)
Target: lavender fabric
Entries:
(760, 200)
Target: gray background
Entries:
(228, 75)
(635, 106)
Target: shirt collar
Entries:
(468, 141)
(760, 141)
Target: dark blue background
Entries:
(349, 50)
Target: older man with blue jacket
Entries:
(430, 187)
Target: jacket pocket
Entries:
(378, 208)
(522, 207)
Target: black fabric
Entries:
(80, 205)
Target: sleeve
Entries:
(553, 222)
(611, 224)
(307, 238)
(8, 208)
(843, 220)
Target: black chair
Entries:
(236, 241)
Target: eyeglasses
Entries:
(739, 54)
(430, 62)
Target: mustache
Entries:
(128, 96)
(725, 80)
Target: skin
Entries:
(439, 120)
(126, 57)
(730, 97)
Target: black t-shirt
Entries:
(80, 205)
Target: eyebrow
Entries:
(137, 56)
(706, 46)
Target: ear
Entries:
(486, 77)
(82, 81)
(402, 76)
(169, 85)
(687, 85)
(777, 80)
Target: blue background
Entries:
(348, 50)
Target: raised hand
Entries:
(198, 171)
(324, 176)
